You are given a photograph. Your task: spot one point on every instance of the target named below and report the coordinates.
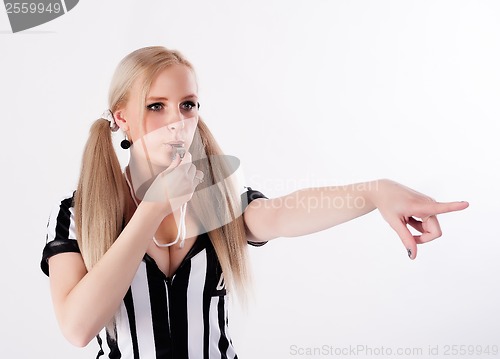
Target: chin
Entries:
(161, 161)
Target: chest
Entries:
(169, 259)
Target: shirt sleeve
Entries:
(246, 198)
(60, 235)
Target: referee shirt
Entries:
(182, 316)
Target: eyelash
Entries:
(191, 103)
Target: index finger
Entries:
(443, 207)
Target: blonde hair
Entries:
(101, 210)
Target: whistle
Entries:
(179, 149)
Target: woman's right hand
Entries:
(175, 185)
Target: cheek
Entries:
(155, 127)
(191, 124)
(155, 135)
(190, 130)
(153, 121)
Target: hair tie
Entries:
(108, 115)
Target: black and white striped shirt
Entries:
(182, 316)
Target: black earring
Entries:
(125, 144)
(198, 105)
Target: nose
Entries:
(178, 125)
(176, 122)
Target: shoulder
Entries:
(61, 232)
(248, 195)
(64, 203)
(61, 218)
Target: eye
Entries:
(189, 105)
(155, 107)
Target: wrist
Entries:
(375, 191)
(155, 210)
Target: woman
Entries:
(143, 259)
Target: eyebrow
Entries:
(153, 98)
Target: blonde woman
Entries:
(143, 259)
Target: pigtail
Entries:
(100, 197)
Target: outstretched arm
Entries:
(311, 210)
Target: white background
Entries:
(305, 94)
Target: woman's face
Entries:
(171, 114)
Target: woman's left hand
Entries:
(399, 204)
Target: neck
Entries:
(141, 174)
(181, 228)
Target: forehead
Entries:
(174, 81)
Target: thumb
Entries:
(406, 237)
(175, 162)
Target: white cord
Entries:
(181, 232)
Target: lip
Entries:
(175, 143)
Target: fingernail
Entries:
(409, 252)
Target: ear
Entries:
(119, 116)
